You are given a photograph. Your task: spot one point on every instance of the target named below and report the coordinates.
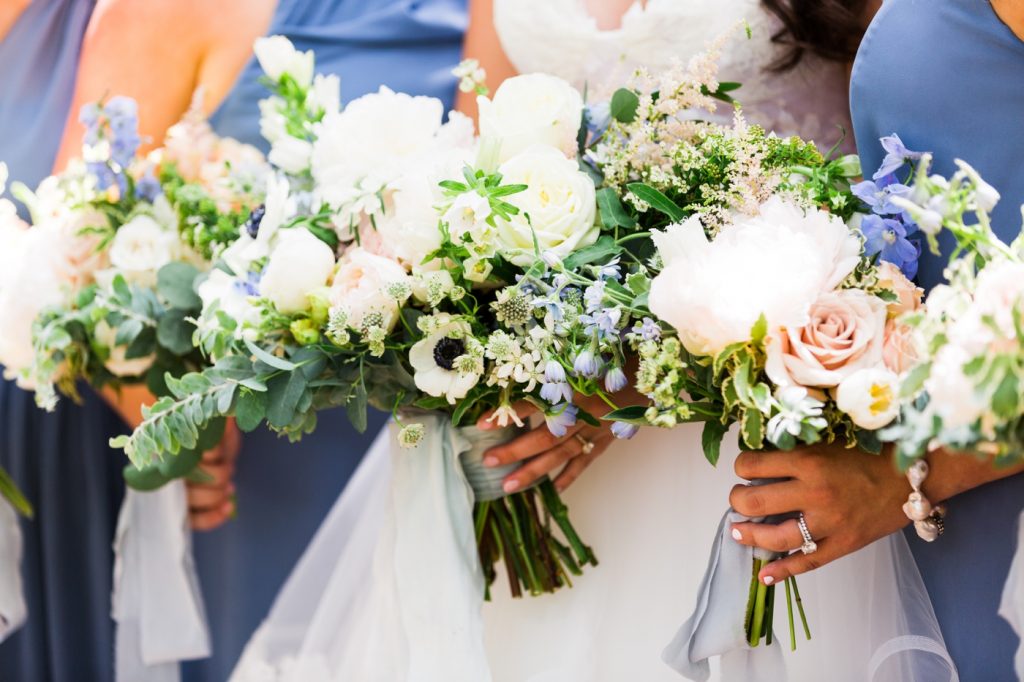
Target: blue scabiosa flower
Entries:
(560, 418)
(896, 154)
(615, 380)
(624, 430)
(587, 364)
(888, 238)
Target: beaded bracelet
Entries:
(929, 521)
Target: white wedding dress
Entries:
(649, 507)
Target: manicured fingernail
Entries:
(490, 461)
(510, 486)
(736, 534)
(768, 580)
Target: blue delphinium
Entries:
(148, 187)
(896, 155)
(615, 380)
(560, 418)
(117, 123)
(878, 194)
(587, 364)
(887, 237)
(624, 430)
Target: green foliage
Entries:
(623, 106)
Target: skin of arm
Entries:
(159, 52)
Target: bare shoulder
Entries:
(190, 24)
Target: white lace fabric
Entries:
(559, 37)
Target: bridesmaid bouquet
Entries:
(100, 287)
(965, 390)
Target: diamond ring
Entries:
(587, 446)
(809, 546)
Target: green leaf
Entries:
(658, 201)
(180, 465)
(711, 440)
(356, 407)
(914, 381)
(752, 427)
(174, 332)
(174, 284)
(587, 418)
(146, 479)
(742, 380)
(285, 391)
(760, 330)
(1006, 399)
(211, 434)
(10, 492)
(612, 212)
(724, 355)
(251, 409)
(624, 105)
(142, 345)
(268, 359)
(603, 250)
(638, 283)
(634, 414)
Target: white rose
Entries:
(141, 247)
(532, 109)
(277, 57)
(775, 264)
(117, 364)
(557, 211)
(868, 396)
(377, 135)
(361, 288)
(299, 265)
(845, 333)
(952, 394)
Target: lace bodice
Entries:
(561, 38)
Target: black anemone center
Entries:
(252, 225)
(447, 350)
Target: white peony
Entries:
(532, 109)
(376, 136)
(952, 394)
(117, 363)
(557, 211)
(361, 288)
(299, 265)
(435, 358)
(775, 264)
(870, 397)
(140, 248)
(291, 154)
(277, 57)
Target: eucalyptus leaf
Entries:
(175, 282)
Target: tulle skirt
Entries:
(650, 508)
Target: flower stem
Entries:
(789, 611)
(560, 513)
(769, 615)
(800, 608)
(757, 621)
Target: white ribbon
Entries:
(156, 602)
(1012, 606)
(12, 598)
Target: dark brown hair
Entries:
(830, 29)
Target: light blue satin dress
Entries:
(60, 460)
(285, 490)
(948, 77)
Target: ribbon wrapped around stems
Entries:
(12, 599)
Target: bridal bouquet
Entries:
(964, 391)
(101, 286)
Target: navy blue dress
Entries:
(60, 460)
(285, 490)
(948, 77)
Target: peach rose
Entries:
(845, 334)
(899, 350)
(909, 295)
(361, 285)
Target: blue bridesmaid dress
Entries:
(61, 460)
(948, 77)
(285, 490)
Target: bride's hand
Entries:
(547, 452)
(849, 499)
(211, 504)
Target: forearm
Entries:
(954, 473)
(128, 402)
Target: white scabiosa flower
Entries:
(446, 362)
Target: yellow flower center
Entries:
(881, 395)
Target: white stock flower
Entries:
(117, 363)
(299, 265)
(361, 286)
(325, 94)
(532, 109)
(291, 154)
(557, 211)
(277, 57)
(869, 397)
(140, 248)
(437, 361)
(776, 263)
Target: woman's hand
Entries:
(849, 499)
(548, 452)
(211, 504)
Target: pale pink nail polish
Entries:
(511, 486)
(490, 461)
(768, 580)
(736, 534)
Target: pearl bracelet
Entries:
(929, 521)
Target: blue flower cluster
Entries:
(112, 136)
(888, 228)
